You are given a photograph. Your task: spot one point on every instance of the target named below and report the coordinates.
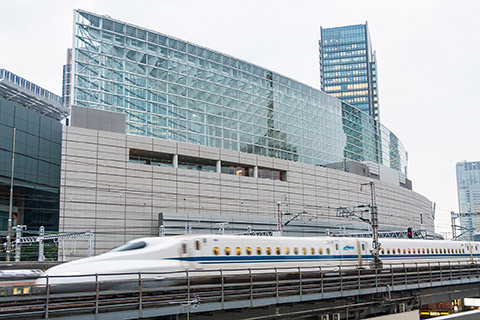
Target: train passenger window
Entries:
(382, 251)
(393, 251)
(399, 251)
(287, 251)
(249, 250)
(184, 248)
(463, 250)
(215, 251)
(278, 251)
(423, 250)
(409, 251)
(269, 251)
(295, 250)
(320, 251)
(197, 245)
(304, 251)
(239, 251)
(259, 250)
(428, 251)
(312, 251)
(328, 251)
(227, 251)
(413, 250)
(388, 250)
(404, 251)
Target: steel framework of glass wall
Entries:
(348, 67)
(180, 91)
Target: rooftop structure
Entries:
(25, 93)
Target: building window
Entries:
(271, 174)
(152, 158)
(237, 169)
(197, 164)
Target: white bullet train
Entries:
(204, 253)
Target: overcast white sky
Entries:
(428, 57)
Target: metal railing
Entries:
(158, 294)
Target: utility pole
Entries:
(279, 217)
(454, 216)
(10, 208)
(377, 263)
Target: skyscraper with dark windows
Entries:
(348, 68)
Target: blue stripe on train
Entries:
(314, 258)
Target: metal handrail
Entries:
(301, 283)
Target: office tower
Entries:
(468, 187)
(348, 67)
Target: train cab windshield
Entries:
(130, 246)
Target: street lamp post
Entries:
(9, 231)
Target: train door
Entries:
(470, 247)
(187, 252)
(337, 252)
(362, 251)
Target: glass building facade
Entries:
(348, 68)
(468, 186)
(34, 113)
(172, 89)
